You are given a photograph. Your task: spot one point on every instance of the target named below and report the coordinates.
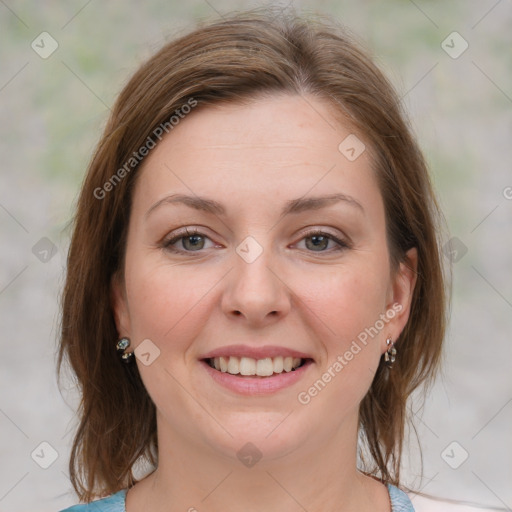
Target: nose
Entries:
(256, 292)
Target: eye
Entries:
(191, 241)
(318, 241)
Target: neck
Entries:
(315, 477)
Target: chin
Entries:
(262, 435)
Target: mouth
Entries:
(251, 367)
(255, 370)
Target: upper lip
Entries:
(255, 352)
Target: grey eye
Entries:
(192, 242)
(317, 242)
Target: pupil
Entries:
(195, 239)
(319, 241)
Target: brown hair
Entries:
(232, 60)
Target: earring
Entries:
(121, 346)
(390, 354)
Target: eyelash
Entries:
(167, 244)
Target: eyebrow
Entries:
(294, 206)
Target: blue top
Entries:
(400, 502)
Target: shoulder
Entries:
(112, 503)
(400, 502)
(423, 503)
(412, 502)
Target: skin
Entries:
(253, 158)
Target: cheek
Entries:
(347, 300)
(167, 303)
(347, 304)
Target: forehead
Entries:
(274, 147)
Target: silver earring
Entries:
(121, 346)
(390, 354)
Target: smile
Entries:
(257, 377)
(248, 366)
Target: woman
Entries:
(254, 283)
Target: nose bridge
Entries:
(254, 289)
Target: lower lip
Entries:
(252, 385)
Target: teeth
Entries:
(278, 364)
(233, 365)
(249, 366)
(265, 367)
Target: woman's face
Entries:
(285, 262)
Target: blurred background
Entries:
(62, 65)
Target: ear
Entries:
(119, 305)
(400, 294)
